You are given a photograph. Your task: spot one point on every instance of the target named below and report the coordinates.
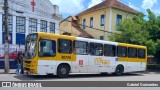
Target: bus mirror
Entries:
(42, 43)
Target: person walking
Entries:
(22, 69)
(18, 63)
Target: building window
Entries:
(80, 48)
(96, 49)
(32, 25)
(122, 51)
(20, 24)
(102, 20)
(84, 23)
(52, 27)
(134, 19)
(65, 46)
(101, 37)
(10, 23)
(132, 52)
(47, 48)
(91, 22)
(119, 19)
(109, 50)
(141, 53)
(43, 26)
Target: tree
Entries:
(153, 26)
(141, 32)
(130, 32)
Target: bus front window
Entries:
(30, 49)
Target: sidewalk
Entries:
(12, 71)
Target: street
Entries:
(152, 75)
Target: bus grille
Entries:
(27, 62)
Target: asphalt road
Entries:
(142, 76)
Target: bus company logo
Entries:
(99, 61)
(80, 62)
(6, 84)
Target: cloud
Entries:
(71, 7)
(148, 4)
(133, 6)
(157, 12)
(94, 2)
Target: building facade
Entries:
(101, 20)
(28, 16)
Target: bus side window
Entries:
(65, 46)
(80, 47)
(122, 51)
(132, 52)
(47, 48)
(141, 53)
(96, 49)
(109, 50)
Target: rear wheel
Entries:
(119, 70)
(63, 71)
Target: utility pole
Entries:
(6, 46)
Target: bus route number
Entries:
(66, 57)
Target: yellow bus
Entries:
(47, 53)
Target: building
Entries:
(70, 26)
(98, 21)
(28, 16)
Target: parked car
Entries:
(13, 55)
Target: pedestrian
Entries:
(18, 63)
(22, 69)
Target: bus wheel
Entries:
(119, 70)
(63, 71)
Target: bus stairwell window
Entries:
(65, 46)
(122, 51)
(47, 48)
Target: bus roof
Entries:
(90, 40)
(132, 45)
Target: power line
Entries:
(49, 15)
(71, 21)
(28, 6)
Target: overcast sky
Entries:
(73, 7)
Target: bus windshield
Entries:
(30, 48)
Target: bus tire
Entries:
(63, 71)
(119, 70)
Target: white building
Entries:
(27, 16)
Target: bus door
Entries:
(95, 57)
(122, 56)
(132, 64)
(81, 51)
(142, 59)
(109, 59)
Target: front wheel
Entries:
(119, 70)
(63, 71)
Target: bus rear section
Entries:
(133, 58)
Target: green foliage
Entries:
(141, 32)
(158, 49)
(151, 47)
(130, 32)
